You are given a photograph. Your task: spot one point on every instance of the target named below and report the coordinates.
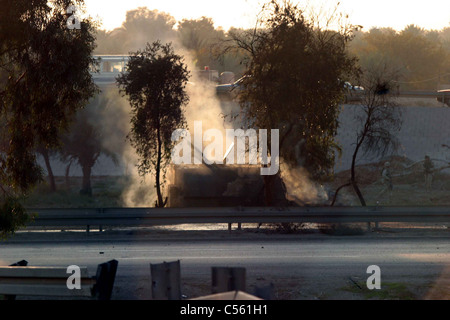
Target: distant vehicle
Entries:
(351, 87)
(208, 75)
(444, 96)
(229, 91)
(353, 93)
(110, 66)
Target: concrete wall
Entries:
(424, 131)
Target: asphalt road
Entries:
(311, 266)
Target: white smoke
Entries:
(300, 188)
(116, 125)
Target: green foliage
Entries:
(206, 44)
(84, 141)
(107, 193)
(46, 79)
(154, 83)
(12, 216)
(295, 83)
(197, 36)
(140, 26)
(421, 56)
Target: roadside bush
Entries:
(12, 216)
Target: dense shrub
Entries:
(12, 216)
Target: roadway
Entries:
(305, 266)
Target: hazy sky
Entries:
(429, 14)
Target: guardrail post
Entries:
(166, 281)
(21, 263)
(100, 227)
(226, 279)
(265, 292)
(106, 274)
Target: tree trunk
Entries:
(160, 202)
(353, 177)
(67, 175)
(337, 192)
(86, 186)
(51, 177)
(359, 194)
(268, 190)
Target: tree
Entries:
(154, 83)
(379, 117)
(46, 154)
(140, 26)
(295, 75)
(47, 79)
(198, 36)
(195, 34)
(229, 58)
(421, 56)
(84, 141)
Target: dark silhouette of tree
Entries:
(379, 117)
(84, 141)
(295, 84)
(47, 80)
(46, 155)
(140, 26)
(444, 37)
(198, 36)
(154, 83)
(421, 56)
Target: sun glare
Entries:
(431, 14)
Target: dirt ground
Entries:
(408, 184)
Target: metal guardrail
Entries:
(171, 216)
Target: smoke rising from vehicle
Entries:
(204, 106)
(115, 123)
(300, 189)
